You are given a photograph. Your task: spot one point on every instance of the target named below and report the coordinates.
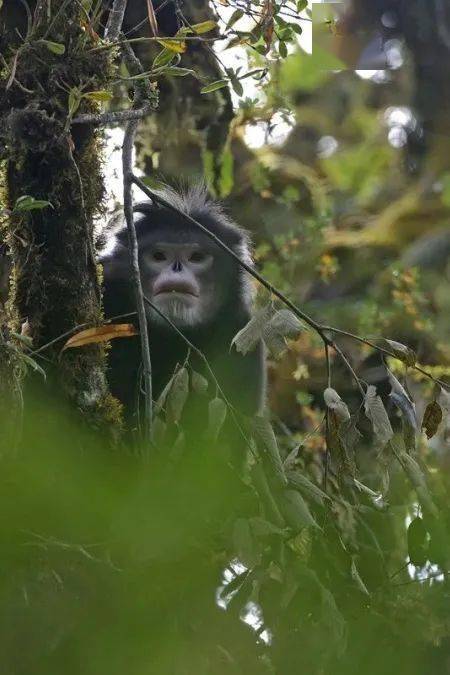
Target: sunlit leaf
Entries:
(164, 57)
(218, 84)
(101, 96)
(334, 402)
(402, 352)
(176, 46)
(100, 334)
(203, 27)
(54, 47)
(248, 337)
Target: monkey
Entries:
(199, 289)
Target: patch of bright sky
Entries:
(258, 134)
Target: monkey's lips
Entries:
(174, 290)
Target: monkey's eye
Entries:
(159, 256)
(197, 256)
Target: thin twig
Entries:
(382, 350)
(127, 158)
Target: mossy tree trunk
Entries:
(55, 282)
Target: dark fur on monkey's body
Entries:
(222, 308)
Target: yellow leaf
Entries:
(204, 27)
(100, 334)
(177, 46)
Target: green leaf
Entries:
(100, 96)
(74, 100)
(218, 84)
(164, 57)
(28, 203)
(217, 412)
(296, 511)
(199, 383)
(203, 27)
(32, 364)
(244, 543)
(234, 18)
(263, 432)
(264, 528)
(357, 579)
(178, 395)
(226, 172)
(174, 71)
(54, 47)
(304, 485)
(176, 46)
(282, 49)
(237, 86)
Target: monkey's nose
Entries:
(177, 266)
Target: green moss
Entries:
(55, 284)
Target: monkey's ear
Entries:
(116, 264)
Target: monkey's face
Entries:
(179, 280)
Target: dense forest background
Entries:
(329, 551)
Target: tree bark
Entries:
(55, 281)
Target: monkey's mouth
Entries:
(174, 291)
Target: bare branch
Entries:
(115, 20)
(103, 119)
(127, 158)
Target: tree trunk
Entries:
(55, 281)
